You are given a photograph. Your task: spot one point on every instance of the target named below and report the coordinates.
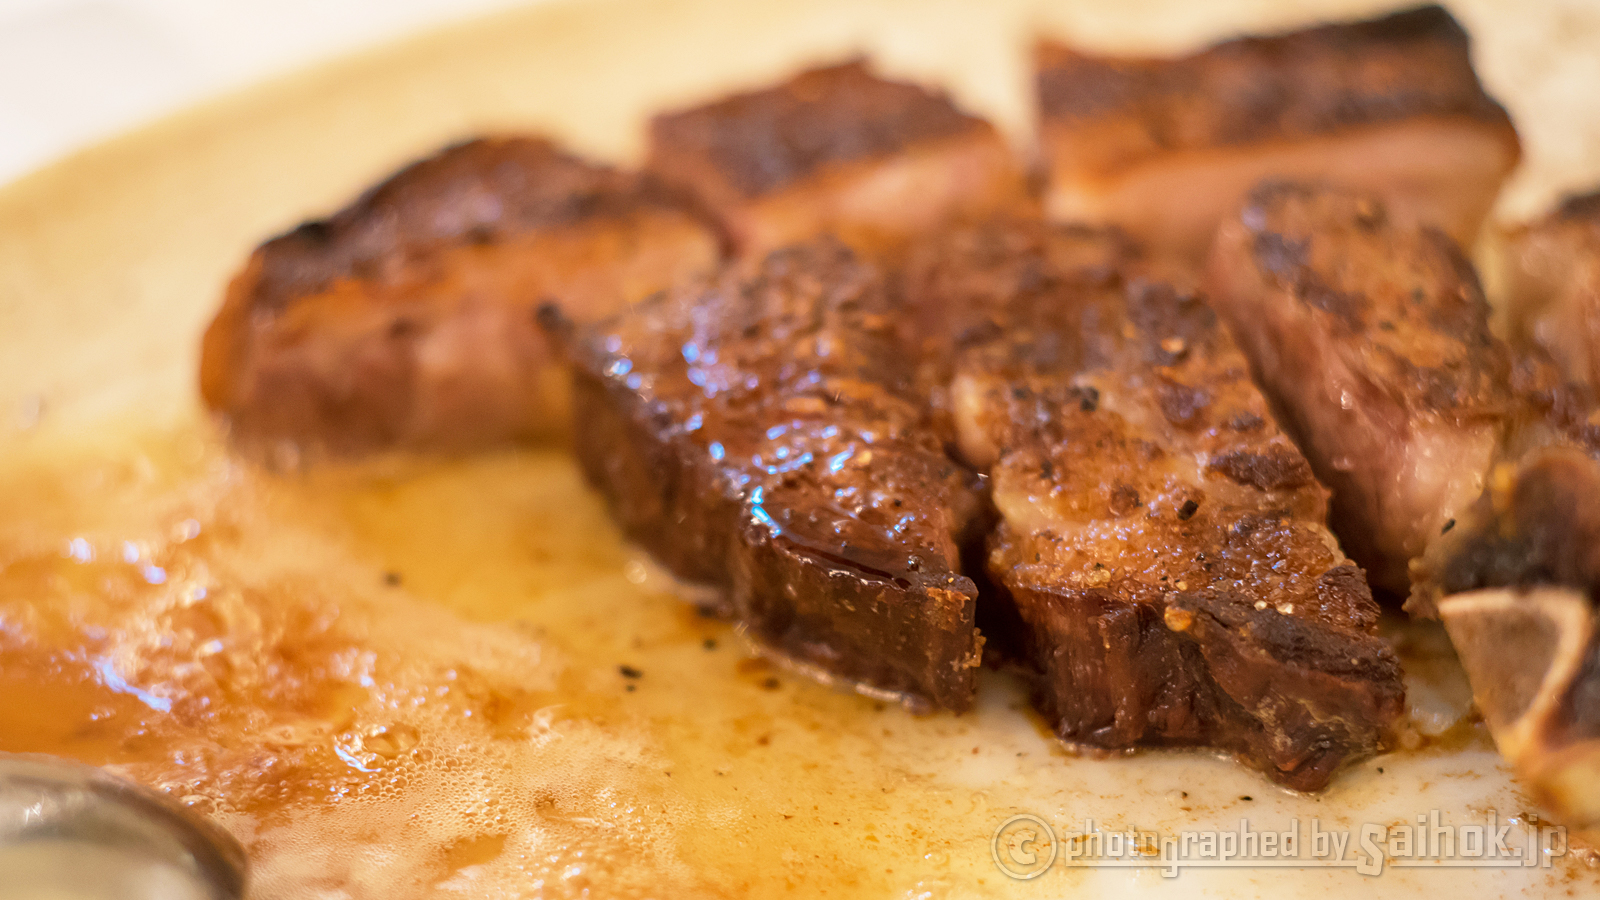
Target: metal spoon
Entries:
(71, 830)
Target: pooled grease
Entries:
(452, 678)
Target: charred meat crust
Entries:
(765, 140)
(479, 192)
(1161, 540)
(837, 151)
(407, 318)
(1284, 87)
(1373, 340)
(761, 434)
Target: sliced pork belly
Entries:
(762, 433)
(407, 319)
(837, 150)
(1162, 541)
(1515, 582)
(1372, 338)
(1552, 270)
(1165, 148)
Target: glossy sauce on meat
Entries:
(761, 433)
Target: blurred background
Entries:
(75, 71)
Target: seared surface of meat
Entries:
(1162, 540)
(762, 433)
(1516, 582)
(1553, 281)
(1165, 148)
(1443, 449)
(837, 150)
(1372, 338)
(407, 319)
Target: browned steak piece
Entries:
(407, 319)
(1162, 540)
(837, 150)
(1552, 269)
(1372, 338)
(1166, 148)
(1516, 582)
(762, 433)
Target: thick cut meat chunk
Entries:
(1165, 148)
(838, 150)
(407, 319)
(1162, 541)
(1515, 582)
(1372, 338)
(761, 433)
(1552, 271)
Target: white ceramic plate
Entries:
(403, 678)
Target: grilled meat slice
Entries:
(407, 319)
(1372, 338)
(837, 150)
(1552, 270)
(1441, 444)
(1161, 539)
(1515, 582)
(1165, 148)
(762, 433)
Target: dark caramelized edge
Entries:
(761, 141)
(1296, 84)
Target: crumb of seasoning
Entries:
(1447, 526)
(629, 688)
(1187, 510)
(1246, 797)
(1380, 770)
(391, 578)
(629, 672)
(771, 684)
(709, 643)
